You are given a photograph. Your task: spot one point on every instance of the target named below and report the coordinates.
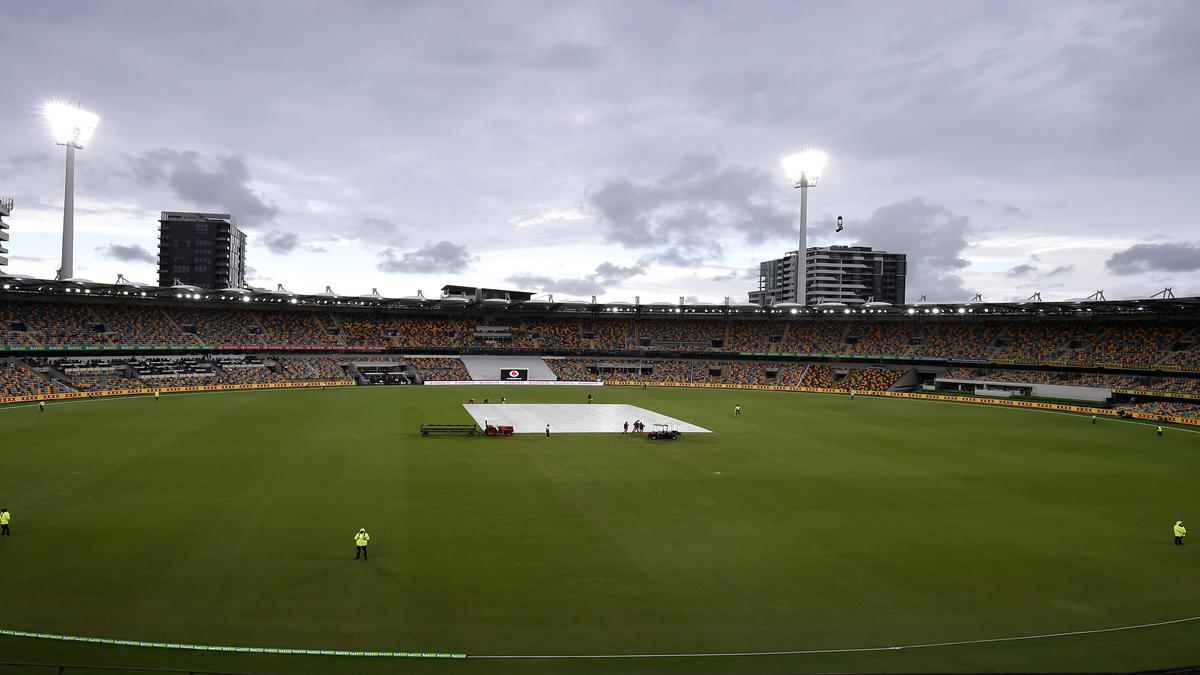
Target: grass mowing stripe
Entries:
(844, 650)
(227, 648)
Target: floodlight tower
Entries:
(73, 127)
(804, 169)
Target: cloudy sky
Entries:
(617, 147)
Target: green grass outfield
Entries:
(811, 522)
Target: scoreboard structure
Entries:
(514, 374)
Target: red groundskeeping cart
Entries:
(498, 430)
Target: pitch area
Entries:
(810, 521)
(573, 418)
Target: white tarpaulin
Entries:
(571, 418)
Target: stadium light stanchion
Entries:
(804, 169)
(72, 127)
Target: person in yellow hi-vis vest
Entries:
(360, 543)
(1180, 532)
(5, 519)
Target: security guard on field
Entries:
(1180, 532)
(360, 543)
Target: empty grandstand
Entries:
(74, 336)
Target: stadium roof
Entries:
(21, 286)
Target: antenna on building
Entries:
(421, 294)
(922, 298)
(978, 297)
(1036, 297)
(551, 296)
(1165, 294)
(1098, 295)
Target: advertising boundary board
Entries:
(171, 390)
(205, 347)
(1151, 392)
(1037, 405)
(520, 383)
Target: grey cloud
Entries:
(29, 159)
(1061, 269)
(1021, 271)
(934, 239)
(470, 57)
(33, 203)
(609, 272)
(376, 231)
(907, 94)
(1014, 212)
(221, 182)
(443, 256)
(737, 275)
(934, 89)
(567, 55)
(577, 286)
(278, 241)
(1178, 257)
(699, 201)
(127, 253)
(23, 163)
(677, 257)
(606, 274)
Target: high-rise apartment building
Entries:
(846, 274)
(201, 249)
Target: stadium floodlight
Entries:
(72, 127)
(804, 170)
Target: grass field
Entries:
(810, 522)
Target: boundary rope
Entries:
(458, 655)
(846, 650)
(229, 648)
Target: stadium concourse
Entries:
(79, 337)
